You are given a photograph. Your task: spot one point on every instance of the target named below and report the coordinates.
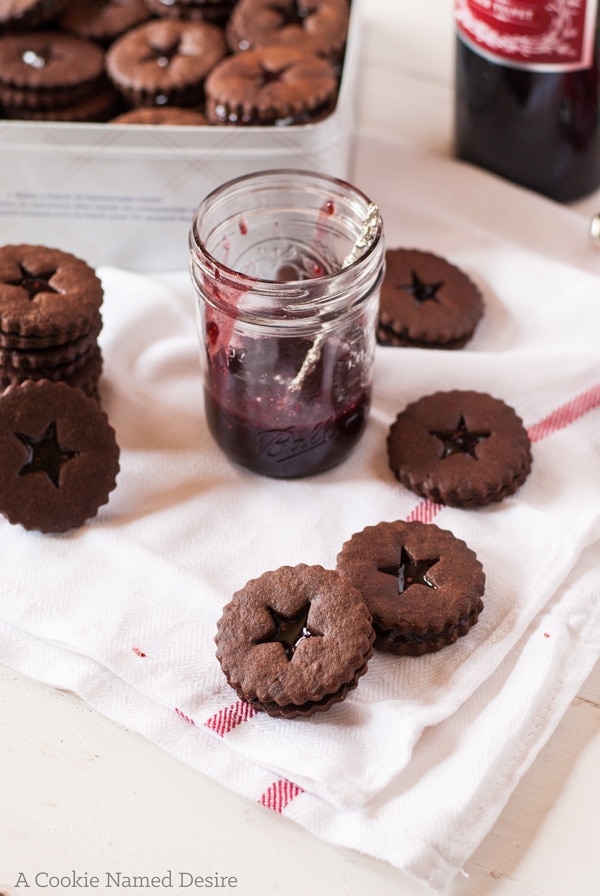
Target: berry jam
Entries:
(289, 451)
(280, 432)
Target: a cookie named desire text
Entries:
(119, 880)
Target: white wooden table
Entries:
(77, 792)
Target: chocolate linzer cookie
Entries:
(320, 26)
(48, 297)
(271, 85)
(426, 301)
(165, 62)
(422, 585)
(46, 70)
(460, 448)
(295, 640)
(59, 457)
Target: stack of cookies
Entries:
(50, 318)
(59, 457)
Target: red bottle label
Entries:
(544, 35)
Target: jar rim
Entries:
(295, 289)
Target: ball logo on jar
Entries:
(284, 444)
(542, 35)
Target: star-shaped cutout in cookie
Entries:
(460, 440)
(163, 56)
(289, 630)
(410, 571)
(45, 455)
(420, 290)
(268, 75)
(33, 283)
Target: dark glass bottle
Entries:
(535, 123)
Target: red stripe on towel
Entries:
(279, 795)
(183, 716)
(565, 414)
(226, 719)
(424, 512)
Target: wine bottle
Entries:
(527, 92)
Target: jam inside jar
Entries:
(287, 310)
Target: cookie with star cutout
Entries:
(48, 297)
(295, 640)
(271, 86)
(59, 457)
(165, 62)
(422, 584)
(426, 302)
(461, 448)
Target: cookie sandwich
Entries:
(422, 585)
(426, 302)
(59, 457)
(295, 640)
(270, 85)
(461, 448)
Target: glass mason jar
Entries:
(287, 292)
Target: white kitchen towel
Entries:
(462, 771)
(124, 610)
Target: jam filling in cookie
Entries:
(289, 630)
(460, 439)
